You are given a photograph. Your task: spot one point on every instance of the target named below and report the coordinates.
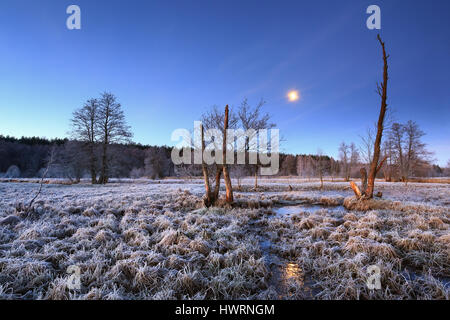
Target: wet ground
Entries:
(288, 276)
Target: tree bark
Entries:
(226, 175)
(355, 189)
(374, 167)
(363, 172)
(92, 164)
(208, 195)
(217, 185)
(104, 172)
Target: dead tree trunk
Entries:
(226, 175)
(217, 185)
(355, 189)
(209, 199)
(382, 91)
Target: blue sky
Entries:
(168, 61)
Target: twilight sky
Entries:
(167, 61)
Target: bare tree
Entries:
(50, 160)
(320, 166)
(415, 150)
(388, 153)
(112, 129)
(253, 118)
(214, 120)
(210, 197)
(85, 128)
(344, 157)
(238, 172)
(354, 157)
(375, 164)
(367, 146)
(396, 140)
(407, 149)
(226, 174)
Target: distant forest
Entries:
(29, 157)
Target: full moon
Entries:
(293, 95)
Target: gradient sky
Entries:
(168, 61)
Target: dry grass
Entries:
(156, 242)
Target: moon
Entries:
(293, 95)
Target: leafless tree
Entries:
(214, 120)
(226, 174)
(344, 157)
(407, 149)
(238, 172)
(388, 153)
(85, 128)
(367, 146)
(320, 166)
(375, 164)
(112, 128)
(253, 118)
(415, 150)
(396, 137)
(354, 156)
(50, 160)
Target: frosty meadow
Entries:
(289, 177)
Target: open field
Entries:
(153, 240)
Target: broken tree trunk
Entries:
(217, 185)
(226, 175)
(210, 198)
(360, 192)
(382, 91)
(355, 189)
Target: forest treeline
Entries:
(27, 158)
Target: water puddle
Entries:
(283, 211)
(288, 278)
(293, 271)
